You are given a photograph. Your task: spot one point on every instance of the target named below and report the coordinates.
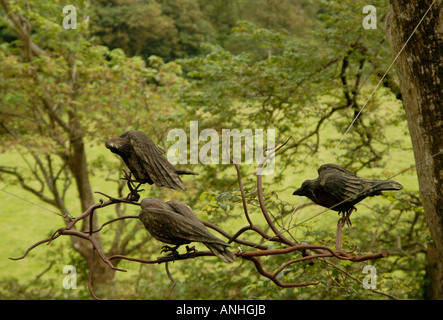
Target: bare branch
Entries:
(256, 251)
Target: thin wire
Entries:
(380, 81)
(33, 203)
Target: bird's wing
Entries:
(158, 167)
(153, 202)
(330, 167)
(182, 209)
(180, 226)
(345, 188)
(186, 211)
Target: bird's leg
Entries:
(127, 177)
(346, 216)
(173, 250)
(190, 250)
(343, 218)
(133, 195)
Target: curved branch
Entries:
(164, 259)
(234, 238)
(264, 158)
(113, 220)
(240, 184)
(170, 278)
(91, 260)
(274, 279)
(34, 246)
(319, 251)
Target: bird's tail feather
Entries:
(221, 251)
(386, 185)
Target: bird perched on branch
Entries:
(175, 223)
(145, 161)
(340, 189)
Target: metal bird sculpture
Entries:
(175, 223)
(145, 161)
(340, 189)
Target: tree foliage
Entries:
(167, 28)
(307, 74)
(61, 92)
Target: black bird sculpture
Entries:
(174, 222)
(340, 189)
(145, 161)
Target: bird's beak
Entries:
(109, 143)
(112, 144)
(298, 192)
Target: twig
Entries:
(164, 259)
(340, 225)
(272, 277)
(264, 158)
(91, 260)
(240, 184)
(171, 278)
(113, 220)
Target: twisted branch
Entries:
(257, 249)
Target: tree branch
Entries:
(257, 249)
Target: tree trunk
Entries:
(102, 273)
(76, 160)
(420, 69)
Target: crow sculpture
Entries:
(175, 223)
(145, 161)
(339, 189)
